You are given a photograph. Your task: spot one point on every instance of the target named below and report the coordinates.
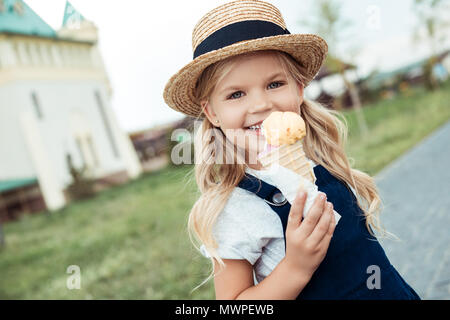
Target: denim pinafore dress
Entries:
(354, 257)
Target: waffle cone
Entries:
(290, 156)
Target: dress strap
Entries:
(271, 195)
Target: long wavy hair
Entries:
(326, 135)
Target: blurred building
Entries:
(153, 145)
(54, 100)
(412, 73)
(328, 86)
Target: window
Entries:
(42, 49)
(21, 53)
(36, 105)
(64, 58)
(17, 53)
(30, 54)
(56, 55)
(36, 52)
(80, 150)
(18, 7)
(104, 116)
(48, 54)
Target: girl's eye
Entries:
(233, 96)
(279, 84)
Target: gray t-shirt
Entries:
(249, 229)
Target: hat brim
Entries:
(308, 49)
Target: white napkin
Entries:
(289, 182)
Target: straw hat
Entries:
(234, 28)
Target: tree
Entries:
(432, 30)
(328, 22)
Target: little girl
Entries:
(245, 66)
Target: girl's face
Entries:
(254, 87)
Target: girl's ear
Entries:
(208, 111)
(301, 88)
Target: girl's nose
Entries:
(259, 103)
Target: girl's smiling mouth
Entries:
(255, 128)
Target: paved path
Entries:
(415, 190)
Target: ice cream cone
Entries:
(283, 154)
(290, 156)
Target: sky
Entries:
(143, 43)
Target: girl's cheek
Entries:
(287, 101)
(235, 118)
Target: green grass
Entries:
(130, 242)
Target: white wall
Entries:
(15, 161)
(57, 100)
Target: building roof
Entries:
(17, 17)
(71, 15)
(6, 185)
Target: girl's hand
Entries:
(307, 241)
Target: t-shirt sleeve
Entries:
(234, 241)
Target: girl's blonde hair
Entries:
(326, 135)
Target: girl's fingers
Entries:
(309, 223)
(332, 225)
(327, 238)
(296, 212)
(322, 227)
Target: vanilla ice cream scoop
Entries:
(283, 128)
